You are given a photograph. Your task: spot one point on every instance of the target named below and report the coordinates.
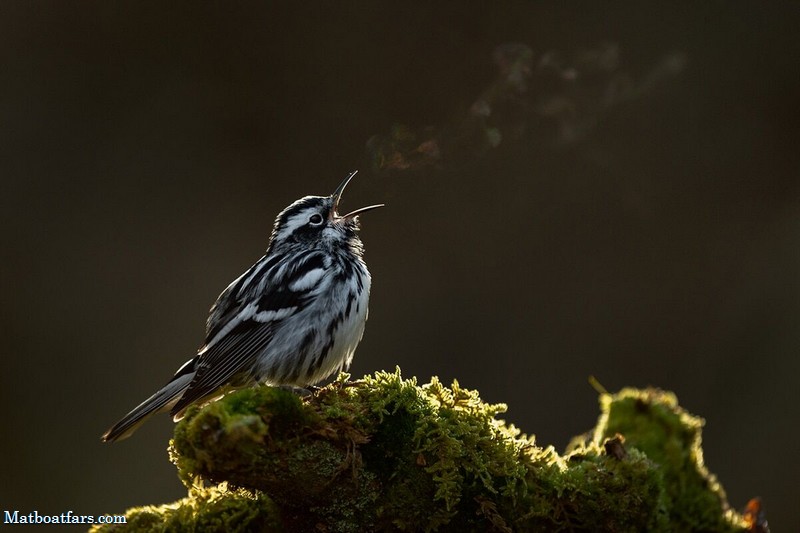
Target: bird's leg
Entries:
(300, 391)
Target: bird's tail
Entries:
(161, 401)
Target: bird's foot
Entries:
(300, 391)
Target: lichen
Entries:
(384, 453)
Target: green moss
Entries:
(211, 509)
(654, 423)
(383, 453)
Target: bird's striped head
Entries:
(314, 221)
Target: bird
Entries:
(292, 319)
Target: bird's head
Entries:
(314, 221)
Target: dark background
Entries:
(146, 148)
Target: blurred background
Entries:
(572, 190)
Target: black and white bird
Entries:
(294, 318)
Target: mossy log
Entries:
(383, 453)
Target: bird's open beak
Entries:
(337, 195)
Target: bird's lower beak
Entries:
(337, 195)
(357, 212)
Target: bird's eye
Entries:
(315, 219)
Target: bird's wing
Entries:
(235, 296)
(244, 326)
(271, 281)
(216, 366)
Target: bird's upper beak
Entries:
(337, 195)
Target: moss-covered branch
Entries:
(385, 454)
